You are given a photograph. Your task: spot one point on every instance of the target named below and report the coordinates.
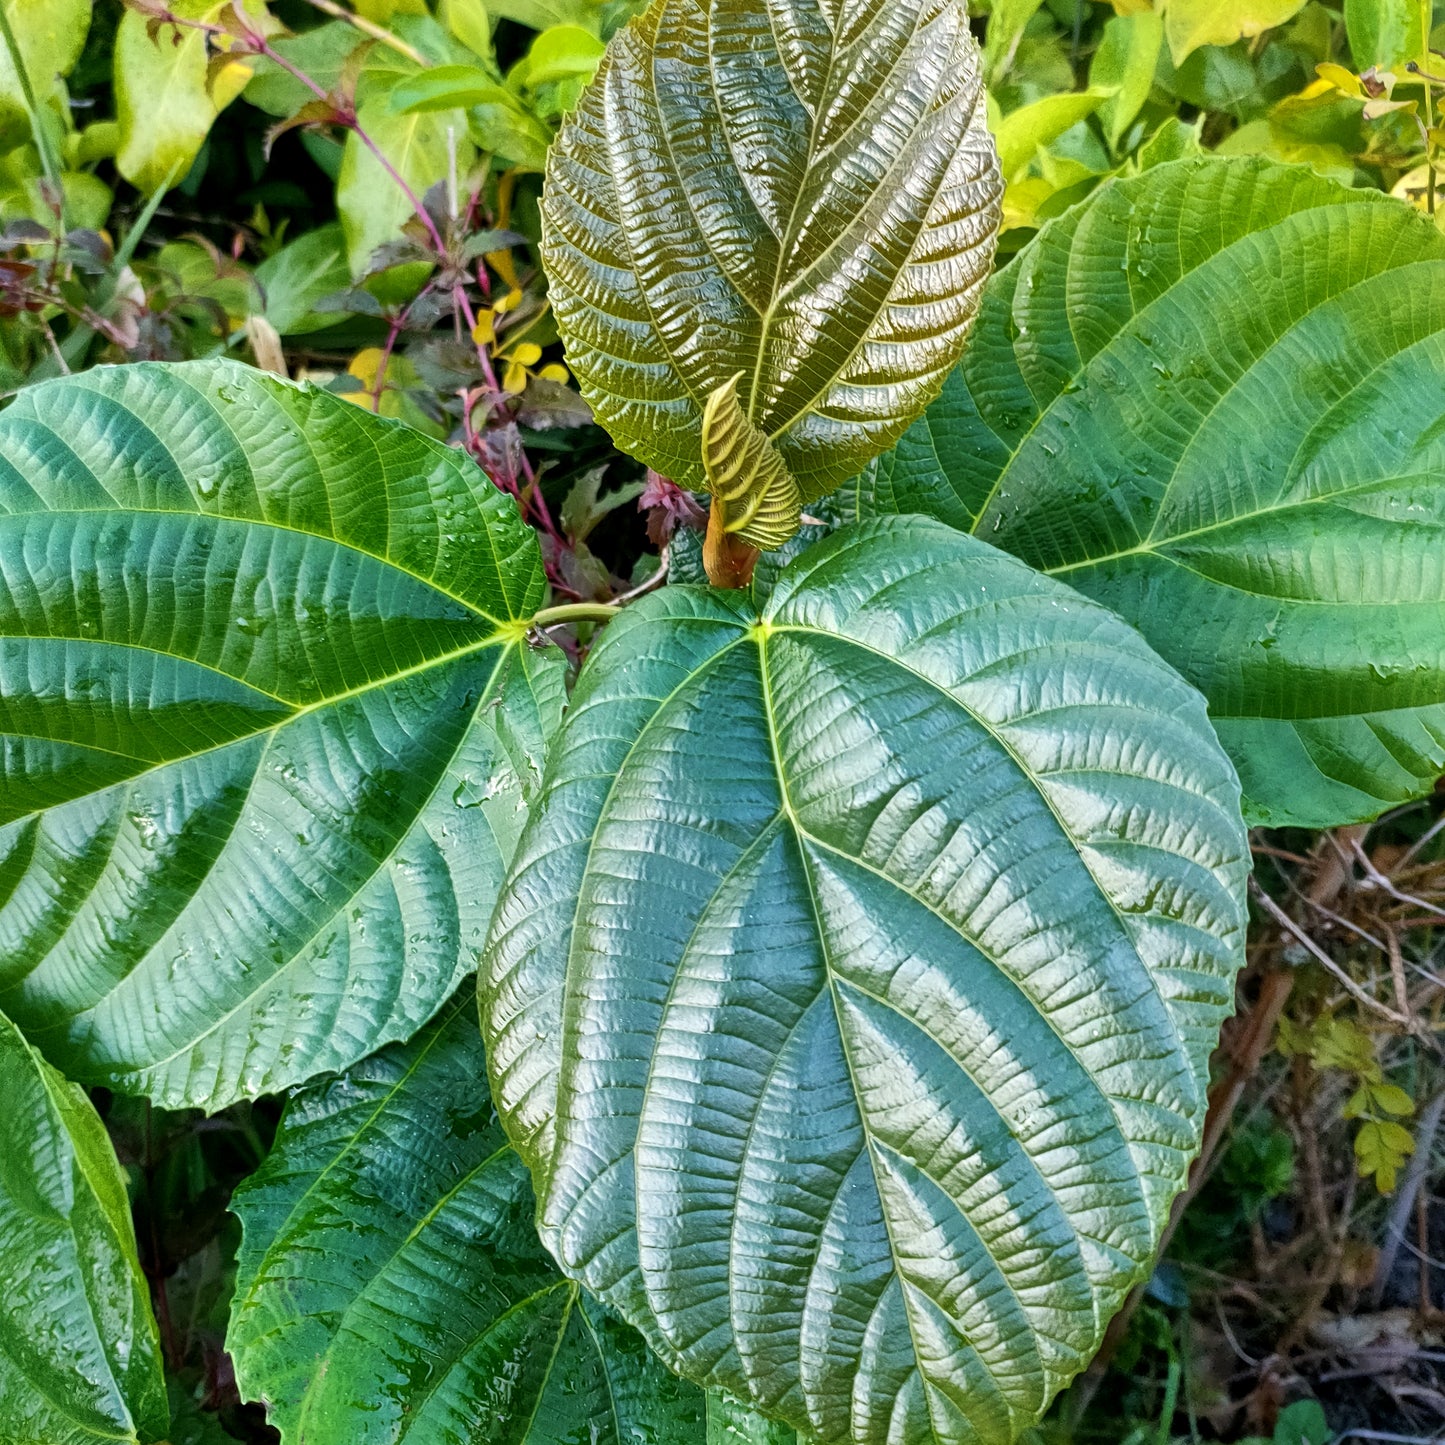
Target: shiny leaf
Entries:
(1237, 443)
(797, 192)
(258, 787)
(852, 992)
(80, 1360)
(390, 1284)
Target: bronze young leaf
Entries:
(798, 198)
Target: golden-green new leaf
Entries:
(746, 474)
(798, 193)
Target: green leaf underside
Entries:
(1211, 398)
(828, 242)
(258, 785)
(80, 1359)
(851, 993)
(391, 1285)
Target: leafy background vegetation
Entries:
(349, 195)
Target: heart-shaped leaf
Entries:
(258, 786)
(852, 992)
(80, 1360)
(390, 1284)
(799, 194)
(1211, 399)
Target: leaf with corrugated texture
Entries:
(266, 719)
(852, 992)
(1211, 398)
(80, 1360)
(390, 1284)
(800, 192)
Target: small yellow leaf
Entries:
(509, 302)
(1381, 1149)
(555, 372)
(515, 379)
(1391, 1099)
(501, 262)
(368, 368)
(1342, 79)
(484, 333)
(527, 353)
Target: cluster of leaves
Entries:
(853, 939)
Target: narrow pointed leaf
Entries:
(1210, 398)
(390, 1284)
(800, 192)
(852, 992)
(266, 721)
(80, 1359)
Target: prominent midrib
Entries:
(444, 1019)
(1016, 448)
(469, 649)
(268, 525)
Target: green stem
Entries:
(576, 612)
(49, 161)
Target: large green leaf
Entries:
(853, 988)
(80, 1361)
(1211, 398)
(390, 1283)
(798, 194)
(258, 787)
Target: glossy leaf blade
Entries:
(1210, 399)
(852, 991)
(391, 1285)
(800, 192)
(258, 782)
(80, 1359)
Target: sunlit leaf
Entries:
(826, 245)
(1238, 445)
(166, 99)
(267, 725)
(1192, 23)
(51, 35)
(80, 1361)
(1022, 132)
(852, 993)
(1125, 63)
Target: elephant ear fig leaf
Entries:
(268, 725)
(1236, 441)
(852, 992)
(766, 228)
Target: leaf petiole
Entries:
(576, 612)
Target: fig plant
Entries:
(852, 937)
